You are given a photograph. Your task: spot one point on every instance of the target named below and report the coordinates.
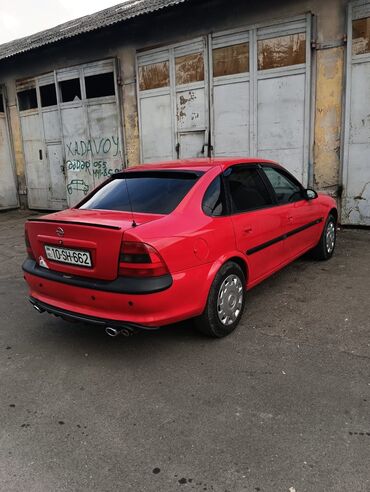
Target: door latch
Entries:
(209, 149)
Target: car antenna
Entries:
(134, 224)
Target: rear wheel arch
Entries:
(216, 267)
(243, 265)
(225, 300)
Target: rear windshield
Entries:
(151, 192)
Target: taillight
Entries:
(28, 246)
(140, 260)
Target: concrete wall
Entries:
(185, 22)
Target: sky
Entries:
(20, 18)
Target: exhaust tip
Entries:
(112, 332)
(38, 309)
(125, 332)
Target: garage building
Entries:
(167, 79)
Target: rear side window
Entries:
(151, 192)
(247, 189)
(214, 200)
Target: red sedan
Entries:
(161, 243)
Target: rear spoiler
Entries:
(70, 222)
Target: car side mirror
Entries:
(310, 194)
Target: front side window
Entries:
(151, 192)
(214, 200)
(247, 189)
(286, 189)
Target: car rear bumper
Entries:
(91, 304)
(42, 307)
(121, 285)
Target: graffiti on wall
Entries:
(77, 185)
(94, 146)
(93, 156)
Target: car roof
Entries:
(203, 164)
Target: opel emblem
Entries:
(60, 232)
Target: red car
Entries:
(160, 243)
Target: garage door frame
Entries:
(9, 138)
(44, 197)
(356, 10)
(252, 34)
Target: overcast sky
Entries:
(20, 18)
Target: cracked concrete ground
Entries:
(281, 405)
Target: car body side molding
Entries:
(283, 236)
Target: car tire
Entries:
(326, 246)
(225, 303)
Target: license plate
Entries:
(71, 256)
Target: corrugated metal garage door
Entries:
(244, 92)
(8, 189)
(356, 162)
(71, 133)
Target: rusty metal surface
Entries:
(189, 68)
(154, 76)
(282, 51)
(174, 119)
(230, 60)
(113, 15)
(361, 36)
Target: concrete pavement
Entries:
(283, 404)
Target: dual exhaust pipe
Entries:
(109, 330)
(114, 332)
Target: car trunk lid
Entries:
(95, 234)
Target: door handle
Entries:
(290, 220)
(248, 229)
(40, 154)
